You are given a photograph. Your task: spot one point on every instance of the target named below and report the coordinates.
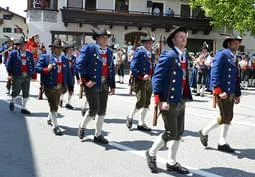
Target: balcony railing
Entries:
(132, 18)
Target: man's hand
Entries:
(50, 66)
(164, 106)
(237, 100)
(90, 84)
(223, 95)
(10, 77)
(112, 91)
(146, 77)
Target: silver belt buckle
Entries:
(103, 79)
(24, 74)
(59, 86)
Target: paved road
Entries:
(30, 149)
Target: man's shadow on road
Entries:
(239, 153)
(229, 172)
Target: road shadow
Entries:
(229, 172)
(239, 153)
(118, 121)
(16, 157)
(43, 115)
(124, 94)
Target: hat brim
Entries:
(225, 42)
(145, 40)
(17, 43)
(59, 46)
(98, 35)
(172, 34)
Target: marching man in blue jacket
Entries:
(20, 67)
(68, 52)
(56, 78)
(96, 68)
(225, 82)
(171, 90)
(142, 68)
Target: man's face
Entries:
(69, 51)
(56, 50)
(148, 45)
(234, 45)
(180, 39)
(102, 40)
(9, 43)
(22, 46)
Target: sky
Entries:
(16, 6)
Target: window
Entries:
(198, 13)
(17, 30)
(43, 4)
(7, 30)
(121, 5)
(74, 3)
(90, 4)
(185, 11)
(7, 17)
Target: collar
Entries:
(178, 50)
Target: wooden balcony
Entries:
(131, 18)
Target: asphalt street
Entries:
(28, 147)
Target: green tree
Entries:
(236, 14)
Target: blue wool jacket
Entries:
(89, 65)
(50, 79)
(14, 63)
(225, 73)
(161, 78)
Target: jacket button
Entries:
(174, 72)
(174, 81)
(94, 76)
(229, 76)
(228, 89)
(95, 69)
(228, 82)
(229, 69)
(172, 89)
(172, 97)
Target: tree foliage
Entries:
(236, 14)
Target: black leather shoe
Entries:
(7, 92)
(226, 148)
(151, 162)
(129, 122)
(177, 168)
(198, 94)
(69, 106)
(57, 131)
(49, 122)
(25, 111)
(100, 139)
(83, 111)
(144, 128)
(203, 138)
(11, 106)
(61, 103)
(81, 132)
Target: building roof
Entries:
(1, 8)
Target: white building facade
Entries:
(11, 24)
(72, 20)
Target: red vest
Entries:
(60, 78)
(24, 67)
(104, 57)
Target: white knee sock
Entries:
(133, 112)
(209, 127)
(203, 90)
(99, 125)
(24, 103)
(157, 145)
(143, 115)
(85, 120)
(198, 88)
(172, 151)
(223, 134)
(69, 98)
(54, 119)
